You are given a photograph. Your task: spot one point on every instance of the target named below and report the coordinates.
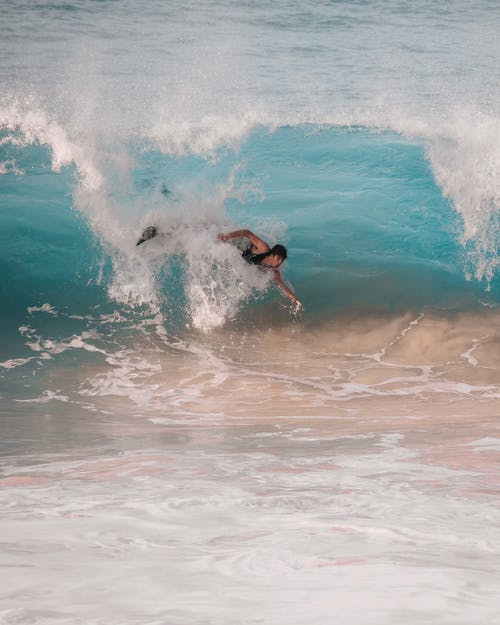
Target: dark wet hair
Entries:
(279, 250)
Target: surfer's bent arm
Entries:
(288, 292)
(260, 245)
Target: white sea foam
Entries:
(12, 363)
(356, 515)
(27, 123)
(47, 308)
(203, 137)
(465, 157)
(47, 396)
(9, 167)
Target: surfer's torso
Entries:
(252, 257)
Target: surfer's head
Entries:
(275, 256)
(279, 250)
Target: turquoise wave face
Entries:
(46, 245)
(365, 224)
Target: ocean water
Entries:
(178, 444)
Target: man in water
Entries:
(259, 253)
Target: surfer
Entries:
(259, 253)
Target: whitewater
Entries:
(179, 445)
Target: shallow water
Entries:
(276, 477)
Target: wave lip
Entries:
(465, 159)
(27, 125)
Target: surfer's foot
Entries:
(149, 233)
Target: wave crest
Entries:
(24, 125)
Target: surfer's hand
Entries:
(223, 237)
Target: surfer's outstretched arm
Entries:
(288, 292)
(260, 246)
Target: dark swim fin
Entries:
(149, 233)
